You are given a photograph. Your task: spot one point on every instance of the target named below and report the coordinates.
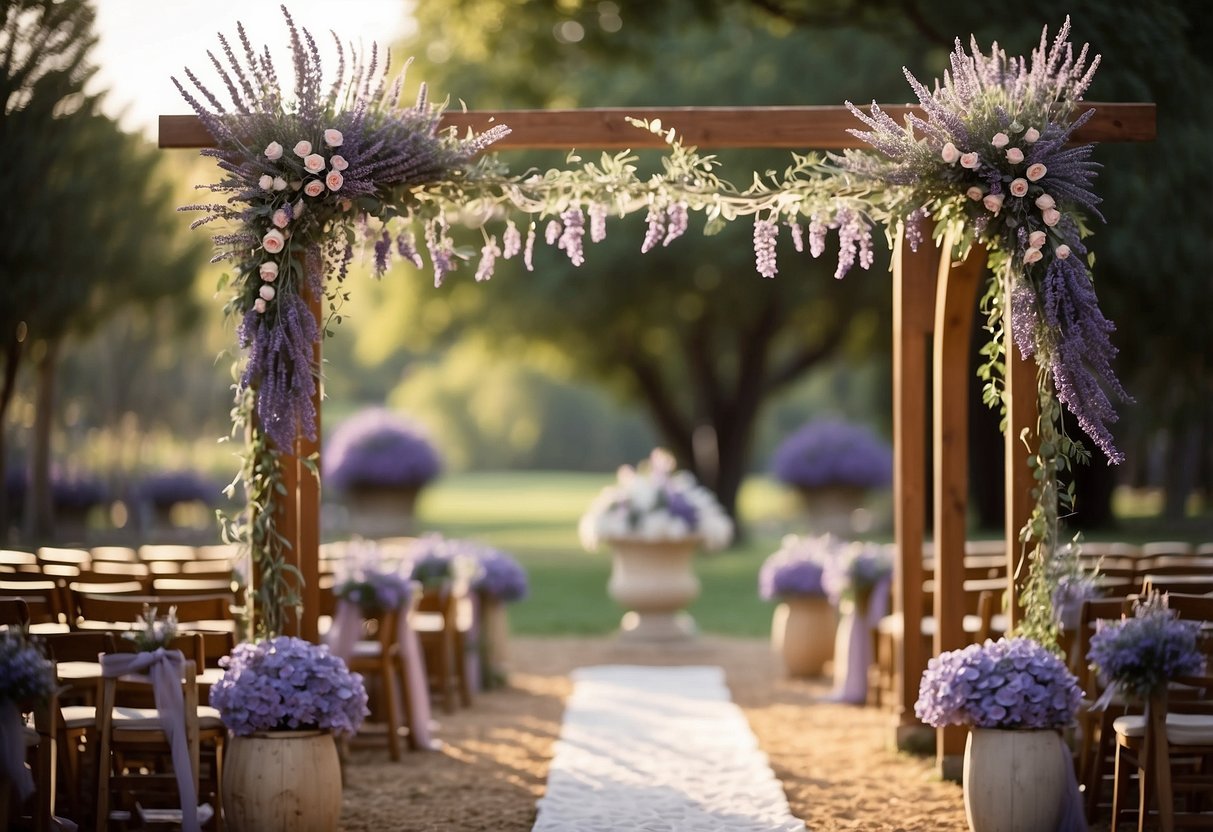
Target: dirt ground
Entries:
(835, 761)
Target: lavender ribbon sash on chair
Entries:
(853, 646)
(164, 668)
(343, 635)
(12, 750)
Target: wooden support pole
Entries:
(955, 306)
(914, 275)
(1020, 398)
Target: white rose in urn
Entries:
(655, 502)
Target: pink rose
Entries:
(269, 271)
(280, 219)
(1014, 155)
(1031, 135)
(1063, 252)
(1035, 172)
(1000, 140)
(259, 306)
(333, 138)
(1045, 201)
(1032, 255)
(970, 161)
(314, 187)
(950, 153)
(303, 148)
(313, 162)
(338, 162)
(1019, 187)
(1051, 216)
(267, 293)
(993, 203)
(273, 151)
(273, 241)
(266, 182)
(279, 183)
(1037, 239)
(334, 180)
(975, 193)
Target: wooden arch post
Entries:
(920, 283)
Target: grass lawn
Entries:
(534, 517)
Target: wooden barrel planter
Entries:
(282, 781)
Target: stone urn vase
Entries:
(831, 509)
(382, 510)
(282, 781)
(802, 633)
(1014, 780)
(654, 580)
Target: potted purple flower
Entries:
(380, 461)
(803, 625)
(832, 465)
(500, 580)
(283, 700)
(1015, 697)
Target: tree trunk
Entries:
(39, 512)
(12, 360)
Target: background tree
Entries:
(94, 231)
(689, 330)
(1153, 280)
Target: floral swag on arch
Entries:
(309, 177)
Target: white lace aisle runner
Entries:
(659, 749)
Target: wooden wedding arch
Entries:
(934, 301)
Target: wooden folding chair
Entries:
(1096, 742)
(40, 743)
(133, 748)
(17, 560)
(14, 612)
(443, 617)
(381, 663)
(42, 596)
(113, 554)
(52, 554)
(1170, 746)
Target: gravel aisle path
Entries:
(833, 760)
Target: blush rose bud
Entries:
(267, 293)
(1051, 217)
(949, 153)
(993, 203)
(273, 241)
(1014, 155)
(1045, 201)
(334, 180)
(1063, 252)
(1037, 239)
(333, 138)
(303, 148)
(1036, 172)
(1000, 140)
(1019, 187)
(338, 162)
(259, 306)
(269, 271)
(1031, 135)
(1032, 255)
(314, 188)
(279, 183)
(313, 162)
(273, 151)
(266, 182)
(975, 193)
(280, 219)
(970, 161)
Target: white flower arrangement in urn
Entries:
(654, 501)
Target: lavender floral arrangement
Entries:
(287, 684)
(1009, 683)
(499, 575)
(26, 675)
(376, 592)
(151, 632)
(437, 560)
(1141, 654)
(654, 501)
(298, 168)
(855, 571)
(828, 453)
(797, 568)
(379, 448)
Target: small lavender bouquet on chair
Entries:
(27, 678)
(151, 632)
(1139, 655)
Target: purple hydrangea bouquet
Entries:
(797, 568)
(288, 684)
(829, 453)
(378, 448)
(437, 560)
(26, 675)
(1138, 655)
(655, 502)
(1009, 683)
(499, 575)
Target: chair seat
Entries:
(427, 622)
(367, 649)
(76, 717)
(148, 719)
(1182, 729)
